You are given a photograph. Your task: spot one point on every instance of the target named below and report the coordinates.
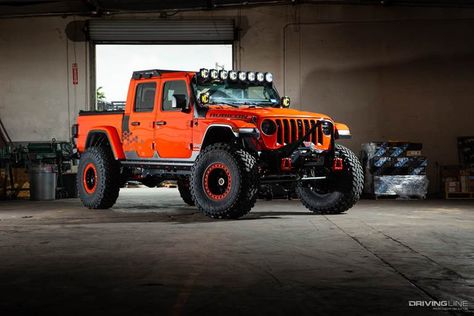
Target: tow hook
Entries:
(337, 164)
(285, 164)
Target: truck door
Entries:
(138, 140)
(173, 126)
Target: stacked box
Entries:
(401, 186)
(466, 150)
(399, 166)
(395, 168)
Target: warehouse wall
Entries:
(38, 101)
(399, 80)
(390, 73)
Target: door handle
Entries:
(160, 123)
(135, 123)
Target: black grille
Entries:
(290, 130)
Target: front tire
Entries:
(341, 191)
(224, 181)
(98, 178)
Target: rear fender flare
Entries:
(112, 136)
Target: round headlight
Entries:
(268, 127)
(223, 74)
(214, 74)
(242, 75)
(233, 75)
(204, 73)
(326, 127)
(260, 76)
(269, 77)
(251, 76)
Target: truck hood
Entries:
(248, 113)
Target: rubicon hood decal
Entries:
(231, 115)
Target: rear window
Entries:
(145, 97)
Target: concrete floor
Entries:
(152, 255)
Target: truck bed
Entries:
(91, 120)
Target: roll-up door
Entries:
(161, 31)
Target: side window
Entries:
(145, 97)
(176, 89)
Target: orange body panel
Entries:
(252, 117)
(139, 137)
(109, 124)
(174, 138)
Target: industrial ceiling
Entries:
(24, 8)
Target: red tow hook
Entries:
(285, 164)
(337, 164)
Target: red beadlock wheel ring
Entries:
(89, 178)
(217, 181)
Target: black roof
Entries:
(152, 73)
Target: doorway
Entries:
(116, 63)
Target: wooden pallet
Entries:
(398, 197)
(459, 196)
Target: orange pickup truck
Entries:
(220, 134)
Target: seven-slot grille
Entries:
(290, 130)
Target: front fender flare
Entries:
(342, 131)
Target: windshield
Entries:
(239, 93)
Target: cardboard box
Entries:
(464, 183)
(453, 186)
(413, 153)
(464, 172)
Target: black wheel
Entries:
(339, 192)
(224, 181)
(184, 189)
(98, 178)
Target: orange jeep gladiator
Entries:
(220, 134)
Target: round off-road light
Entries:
(285, 102)
(269, 77)
(260, 76)
(242, 75)
(204, 73)
(233, 75)
(268, 127)
(223, 74)
(326, 127)
(251, 76)
(214, 73)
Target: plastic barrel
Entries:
(43, 182)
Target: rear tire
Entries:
(184, 188)
(98, 178)
(224, 181)
(345, 187)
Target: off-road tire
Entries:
(184, 189)
(348, 182)
(242, 167)
(107, 170)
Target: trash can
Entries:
(43, 182)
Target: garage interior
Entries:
(397, 72)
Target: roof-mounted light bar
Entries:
(233, 75)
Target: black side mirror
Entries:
(179, 101)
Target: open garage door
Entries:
(161, 31)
